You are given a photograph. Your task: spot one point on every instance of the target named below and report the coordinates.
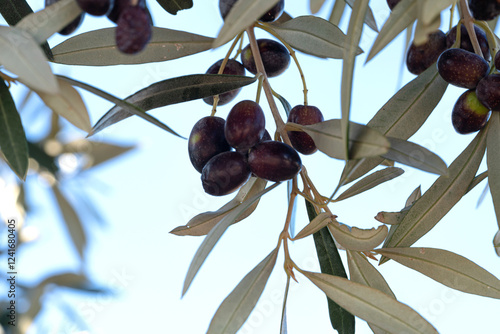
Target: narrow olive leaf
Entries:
(397, 217)
(284, 102)
(21, 55)
(173, 6)
(45, 161)
(331, 263)
(98, 48)
(13, 142)
(371, 305)
(315, 36)
(327, 135)
(235, 309)
(422, 31)
(314, 226)
(440, 197)
(402, 16)
(430, 9)
(130, 108)
(283, 324)
(214, 235)
(478, 179)
(450, 269)
(68, 103)
(401, 116)
(493, 160)
(414, 196)
(354, 238)
(414, 155)
(72, 221)
(337, 12)
(243, 14)
(46, 22)
(315, 5)
(369, 18)
(202, 223)
(371, 181)
(363, 272)
(14, 10)
(354, 31)
(172, 91)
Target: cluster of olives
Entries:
(463, 68)
(223, 170)
(133, 21)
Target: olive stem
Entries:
(280, 125)
(222, 67)
(267, 28)
(468, 21)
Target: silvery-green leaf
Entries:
(493, 160)
(354, 238)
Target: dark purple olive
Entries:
(133, 30)
(462, 68)
(274, 13)
(468, 114)
(275, 57)
(484, 10)
(392, 3)
(421, 57)
(245, 125)
(225, 173)
(497, 61)
(274, 161)
(232, 67)
(304, 115)
(465, 42)
(95, 7)
(488, 91)
(206, 141)
(73, 25)
(120, 5)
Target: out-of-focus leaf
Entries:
(12, 137)
(172, 91)
(68, 103)
(314, 226)
(131, 109)
(369, 18)
(241, 16)
(71, 280)
(327, 135)
(430, 9)
(371, 181)
(315, 36)
(337, 12)
(21, 55)
(422, 31)
(403, 15)
(173, 6)
(236, 308)
(202, 224)
(354, 31)
(414, 155)
(72, 221)
(46, 22)
(98, 48)
(363, 272)
(401, 116)
(450, 269)
(440, 197)
(331, 263)
(354, 238)
(371, 305)
(42, 158)
(496, 243)
(315, 5)
(493, 160)
(13, 11)
(214, 235)
(96, 152)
